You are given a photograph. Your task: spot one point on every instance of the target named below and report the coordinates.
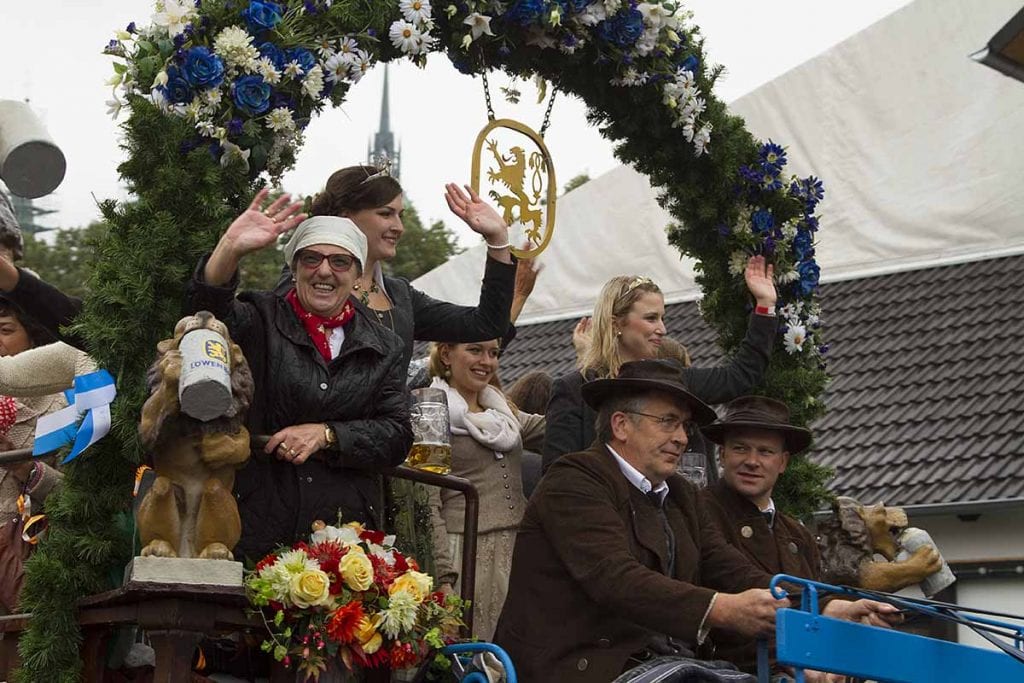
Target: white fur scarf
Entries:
(496, 428)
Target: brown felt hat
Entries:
(759, 412)
(641, 376)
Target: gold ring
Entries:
(291, 451)
(283, 445)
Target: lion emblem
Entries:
(851, 538)
(190, 510)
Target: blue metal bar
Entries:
(810, 641)
(470, 648)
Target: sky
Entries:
(436, 112)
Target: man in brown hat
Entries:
(615, 562)
(756, 442)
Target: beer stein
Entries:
(693, 468)
(432, 441)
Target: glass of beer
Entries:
(431, 442)
(693, 468)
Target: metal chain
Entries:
(487, 98)
(547, 114)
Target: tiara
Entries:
(638, 281)
(382, 162)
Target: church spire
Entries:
(384, 139)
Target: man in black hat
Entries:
(615, 562)
(756, 442)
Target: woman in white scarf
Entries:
(488, 435)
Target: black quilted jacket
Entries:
(361, 394)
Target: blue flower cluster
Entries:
(262, 16)
(623, 29)
(526, 12)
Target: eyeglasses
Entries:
(339, 263)
(668, 423)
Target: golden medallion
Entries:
(521, 183)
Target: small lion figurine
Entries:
(190, 510)
(855, 533)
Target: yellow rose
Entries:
(356, 570)
(367, 636)
(415, 583)
(310, 588)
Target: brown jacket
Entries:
(786, 548)
(587, 588)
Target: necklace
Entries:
(364, 294)
(364, 299)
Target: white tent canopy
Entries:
(921, 151)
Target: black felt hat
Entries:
(640, 376)
(759, 412)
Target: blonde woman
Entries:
(488, 436)
(629, 324)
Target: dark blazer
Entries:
(570, 421)
(785, 548)
(588, 587)
(414, 316)
(360, 394)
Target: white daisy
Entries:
(206, 128)
(406, 37)
(338, 68)
(268, 71)
(415, 11)
(325, 47)
(738, 262)
(793, 340)
(280, 120)
(292, 69)
(347, 46)
(479, 24)
(702, 139)
(360, 66)
(213, 97)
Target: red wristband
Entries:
(764, 310)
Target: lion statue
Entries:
(854, 534)
(190, 511)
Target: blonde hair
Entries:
(670, 349)
(613, 303)
(437, 368)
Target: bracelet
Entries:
(764, 310)
(499, 246)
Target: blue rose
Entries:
(803, 245)
(252, 95)
(762, 221)
(177, 90)
(809, 274)
(262, 16)
(524, 12)
(303, 56)
(690, 64)
(202, 68)
(623, 29)
(273, 54)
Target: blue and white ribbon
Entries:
(92, 395)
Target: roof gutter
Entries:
(962, 507)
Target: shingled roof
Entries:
(926, 406)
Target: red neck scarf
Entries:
(317, 326)
(8, 414)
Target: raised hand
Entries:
(581, 337)
(477, 214)
(759, 276)
(256, 229)
(253, 230)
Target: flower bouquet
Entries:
(349, 597)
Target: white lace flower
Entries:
(213, 97)
(280, 120)
(297, 561)
(790, 275)
(789, 228)
(234, 46)
(194, 109)
(277, 575)
(479, 24)
(738, 262)
(173, 15)
(406, 37)
(415, 11)
(313, 84)
(793, 340)
(631, 78)
(206, 128)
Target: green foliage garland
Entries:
(195, 153)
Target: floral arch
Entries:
(217, 94)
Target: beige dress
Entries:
(500, 486)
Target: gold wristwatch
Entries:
(329, 435)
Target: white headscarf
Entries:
(341, 232)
